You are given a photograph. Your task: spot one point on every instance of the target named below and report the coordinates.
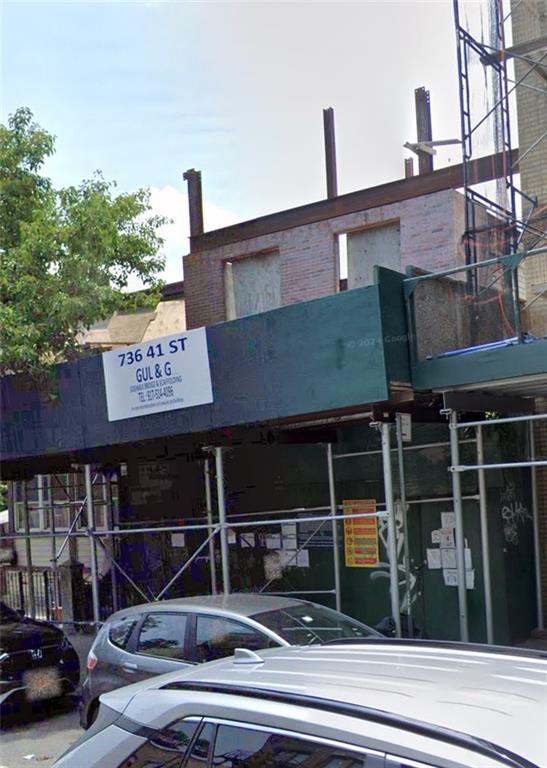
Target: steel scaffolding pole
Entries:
(92, 544)
(404, 513)
(537, 547)
(485, 541)
(335, 543)
(224, 550)
(391, 528)
(460, 543)
(28, 550)
(53, 559)
(112, 523)
(209, 508)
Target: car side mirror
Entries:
(386, 626)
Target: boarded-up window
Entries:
(368, 247)
(252, 285)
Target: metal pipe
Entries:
(535, 515)
(404, 513)
(472, 497)
(92, 546)
(391, 528)
(43, 535)
(186, 564)
(121, 570)
(503, 420)
(485, 542)
(460, 543)
(28, 549)
(111, 542)
(394, 450)
(282, 511)
(73, 525)
(53, 559)
(335, 542)
(465, 268)
(224, 549)
(209, 507)
(457, 468)
(312, 519)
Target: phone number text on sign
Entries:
(166, 374)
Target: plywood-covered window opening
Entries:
(252, 284)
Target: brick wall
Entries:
(529, 22)
(430, 236)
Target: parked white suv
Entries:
(372, 704)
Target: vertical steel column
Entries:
(485, 542)
(335, 542)
(404, 513)
(391, 528)
(28, 550)
(209, 508)
(458, 511)
(53, 559)
(224, 550)
(112, 523)
(537, 548)
(92, 544)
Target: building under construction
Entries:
(356, 411)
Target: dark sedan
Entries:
(37, 662)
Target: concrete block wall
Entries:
(309, 266)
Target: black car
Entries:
(37, 662)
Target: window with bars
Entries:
(63, 495)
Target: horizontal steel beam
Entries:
(451, 177)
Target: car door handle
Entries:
(129, 666)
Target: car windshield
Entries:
(7, 615)
(310, 624)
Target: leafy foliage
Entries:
(66, 255)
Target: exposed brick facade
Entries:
(529, 23)
(431, 228)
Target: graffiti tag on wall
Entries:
(513, 513)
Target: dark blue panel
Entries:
(307, 358)
(41, 420)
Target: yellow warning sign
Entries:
(361, 534)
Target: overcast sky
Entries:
(145, 90)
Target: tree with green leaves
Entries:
(66, 255)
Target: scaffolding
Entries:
(484, 59)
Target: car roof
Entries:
(491, 694)
(245, 604)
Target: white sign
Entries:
(161, 375)
(448, 520)
(434, 558)
(405, 420)
(447, 537)
(450, 577)
(448, 557)
(178, 540)
(436, 536)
